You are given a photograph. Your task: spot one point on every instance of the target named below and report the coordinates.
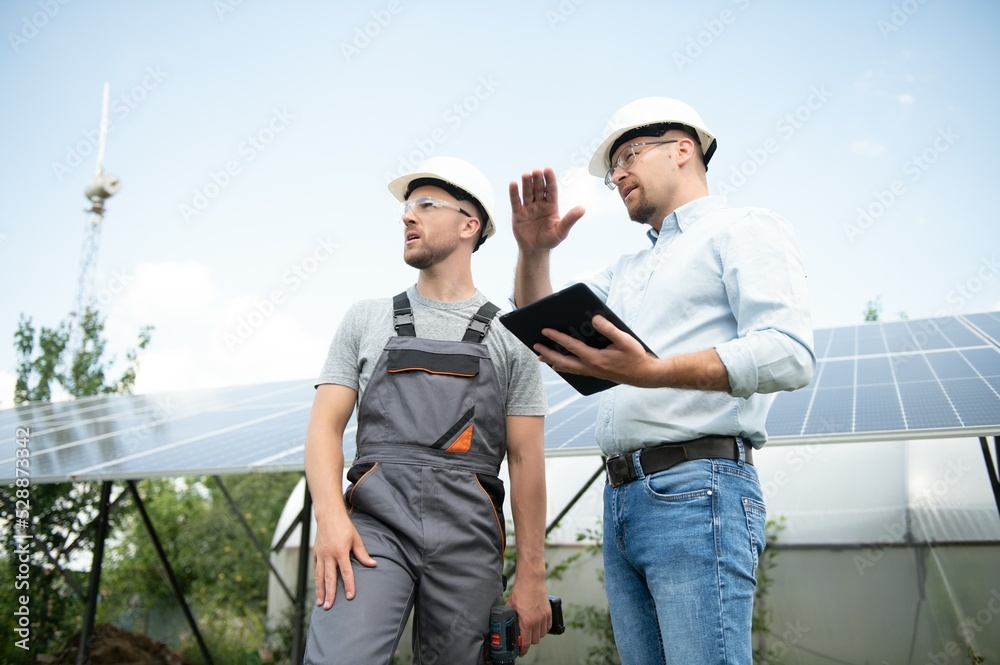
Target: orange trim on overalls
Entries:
(500, 529)
(350, 496)
(424, 369)
(463, 443)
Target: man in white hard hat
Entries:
(719, 295)
(442, 396)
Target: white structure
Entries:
(890, 553)
(98, 190)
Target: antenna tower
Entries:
(98, 190)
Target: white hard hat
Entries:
(458, 173)
(650, 111)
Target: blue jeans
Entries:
(680, 550)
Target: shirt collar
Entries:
(683, 218)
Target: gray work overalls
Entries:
(427, 502)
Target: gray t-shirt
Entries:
(367, 327)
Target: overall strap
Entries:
(402, 316)
(480, 323)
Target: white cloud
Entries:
(905, 99)
(867, 148)
(202, 338)
(168, 291)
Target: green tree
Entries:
(220, 572)
(873, 309)
(81, 375)
(60, 513)
(213, 558)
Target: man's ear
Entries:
(685, 150)
(471, 227)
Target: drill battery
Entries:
(503, 642)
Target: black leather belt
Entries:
(621, 468)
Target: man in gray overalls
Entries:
(442, 396)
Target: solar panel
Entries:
(907, 379)
(878, 409)
(190, 433)
(932, 377)
(987, 322)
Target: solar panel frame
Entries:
(878, 381)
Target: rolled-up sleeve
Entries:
(766, 286)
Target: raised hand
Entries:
(535, 213)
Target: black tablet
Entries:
(569, 311)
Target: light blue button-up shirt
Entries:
(715, 277)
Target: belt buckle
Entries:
(617, 470)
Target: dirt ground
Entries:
(116, 646)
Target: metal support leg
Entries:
(288, 532)
(174, 585)
(576, 497)
(82, 536)
(991, 469)
(572, 502)
(87, 632)
(298, 638)
(256, 543)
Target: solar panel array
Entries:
(908, 379)
(932, 376)
(226, 430)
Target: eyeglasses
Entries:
(627, 158)
(424, 204)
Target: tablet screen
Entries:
(569, 311)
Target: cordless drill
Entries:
(503, 642)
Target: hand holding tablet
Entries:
(569, 311)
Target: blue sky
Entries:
(254, 141)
